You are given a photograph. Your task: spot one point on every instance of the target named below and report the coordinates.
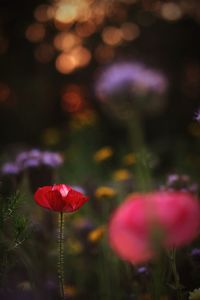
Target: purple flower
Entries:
(197, 115)
(172, 178)
(10, 178)
(35, 158)
(195, 252)
(142, 270)
(134, 75)
(51, 159)
(10, 168)
(180, 182)
(32, 163)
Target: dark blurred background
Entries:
(35, 76)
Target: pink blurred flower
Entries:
(174, 216)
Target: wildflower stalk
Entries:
(61, 254)
(142, 171)
(177, 285)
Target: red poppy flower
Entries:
(60, 198)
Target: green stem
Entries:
(172, 257)
(142, 171)
(61, 254)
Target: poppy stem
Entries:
(61, 254)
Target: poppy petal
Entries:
(40, 196)
(55, 200)
(74, 201)
(62, 188)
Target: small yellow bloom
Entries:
(129, 159)
(103, 154)
(121, 174)
(96, 234)
(70, 291)
(105, 191)
(83, 119)
(74, 246)
(195, 294)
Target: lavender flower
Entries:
(142, 270)
(195, 252)
(197, 115)
(126, 74)
(36, 158)
(124, 87)
(10, 178)
(51, 159)
(180, 182)
(40, 166)
(10, 168)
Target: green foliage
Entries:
(13, 232)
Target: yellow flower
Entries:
(83, 119)
(70, 291)
(103, 154)
(195, 294)
(74, 246)
(129, 159)
(96, 234)
(105, 191)
(121, 174)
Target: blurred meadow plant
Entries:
(127, 91)
(14, 231)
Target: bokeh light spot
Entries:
(65, 63)
(66, 41)
(112, 36)
(85, 29)
(130, 31)
(35, 32)
(41, 13)
(82, 56)
(171, 11)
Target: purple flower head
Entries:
(142, 270)
(180, 182)
(32, 163)
(197, 115)
(35, 153)
(195, 252)
(51, 159)
(172, 178)
(134, 75)
(21, 157)
(29, 158)
(10, 168)
(35, 158)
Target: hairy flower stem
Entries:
(61, 254)
(177, 285)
